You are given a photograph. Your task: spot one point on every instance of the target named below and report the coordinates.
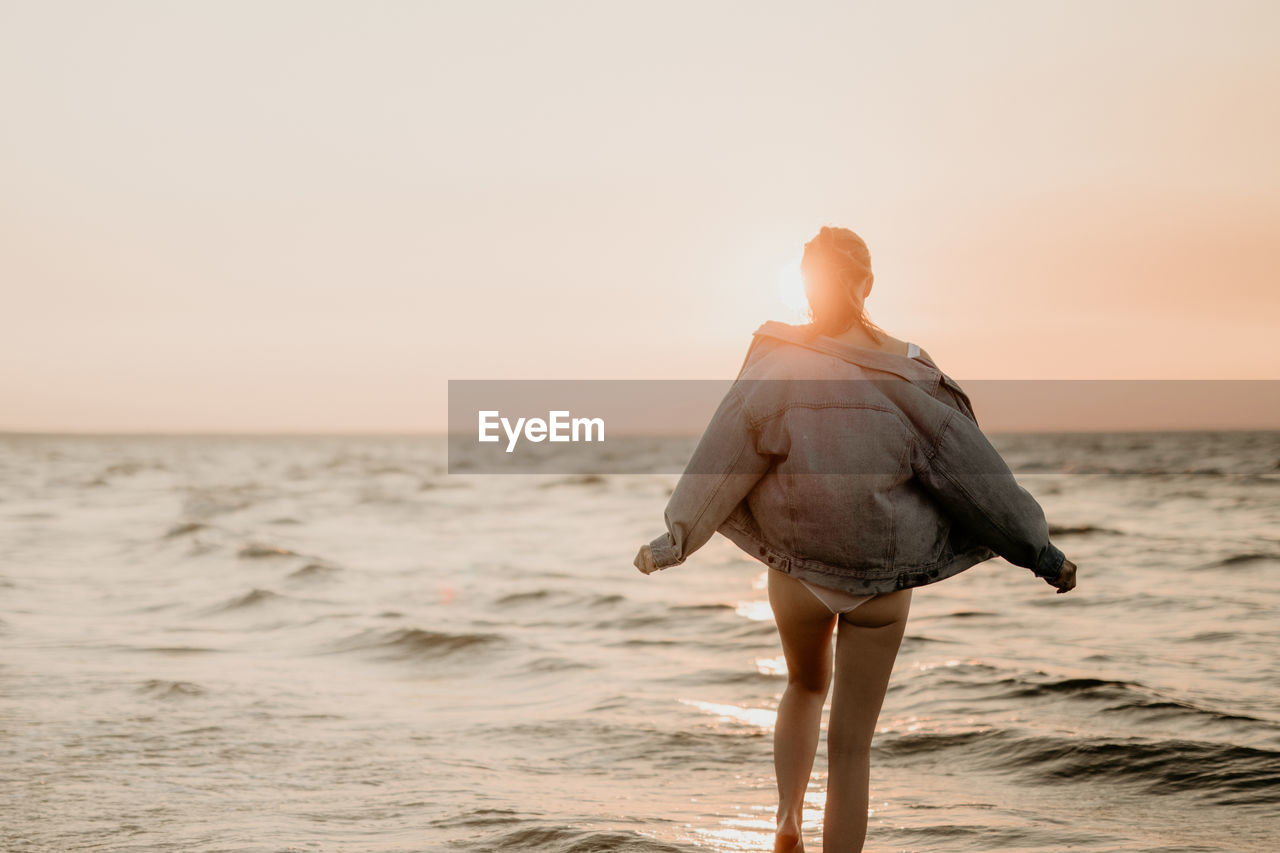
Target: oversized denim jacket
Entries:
(852, 468)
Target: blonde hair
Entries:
(835, 264)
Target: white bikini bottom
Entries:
(837, 601)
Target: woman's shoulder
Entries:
(775, 336)
(769, 337)
(782, 350)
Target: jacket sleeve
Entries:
(725, 466)
(968, 477)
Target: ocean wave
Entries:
(1245, 471)
(1224, 773)
(1210, 637)
(432, 485)
(1081, 530)
(983, 837)
(748, 676)
(1172, 708)
(564, 839)
(1245, 559)
(576, 480)
(600, 746)
(480, 817)
(1221, 772)
(385, 469)
(603, 599)
(204, 504)
(1125, 697)
(185, 528)
(258, 551)
(911, 642)
(1021, 687)
(252, 598)
(560, 599)
(970, 614)
(129, 468)
(688, 625)
(646, 641)
(416, 643)
(161, 688)
(527, 597)
(555, 664)
(315, 571)
(174, 650)
(634, 622)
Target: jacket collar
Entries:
(908, 368)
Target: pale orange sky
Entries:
(310, 216)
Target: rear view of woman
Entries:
(853, 467)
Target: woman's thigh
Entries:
(881, 611)
(866, 648)
(805, 626)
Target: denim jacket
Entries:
(852, 468)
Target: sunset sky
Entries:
(310, 215)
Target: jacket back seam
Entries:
(893, 510)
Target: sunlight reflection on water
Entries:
(772, 666)
(760, 717)
(757, 611)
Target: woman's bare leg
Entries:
(867, 644)
(805, 626)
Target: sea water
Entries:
(330, 643)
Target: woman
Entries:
(853, 467)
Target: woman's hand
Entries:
(1066, 578)
(644, 560)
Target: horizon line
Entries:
(365, 433)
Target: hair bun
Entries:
(841, 262)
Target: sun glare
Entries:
(791, 290)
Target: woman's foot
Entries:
(788, 839)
